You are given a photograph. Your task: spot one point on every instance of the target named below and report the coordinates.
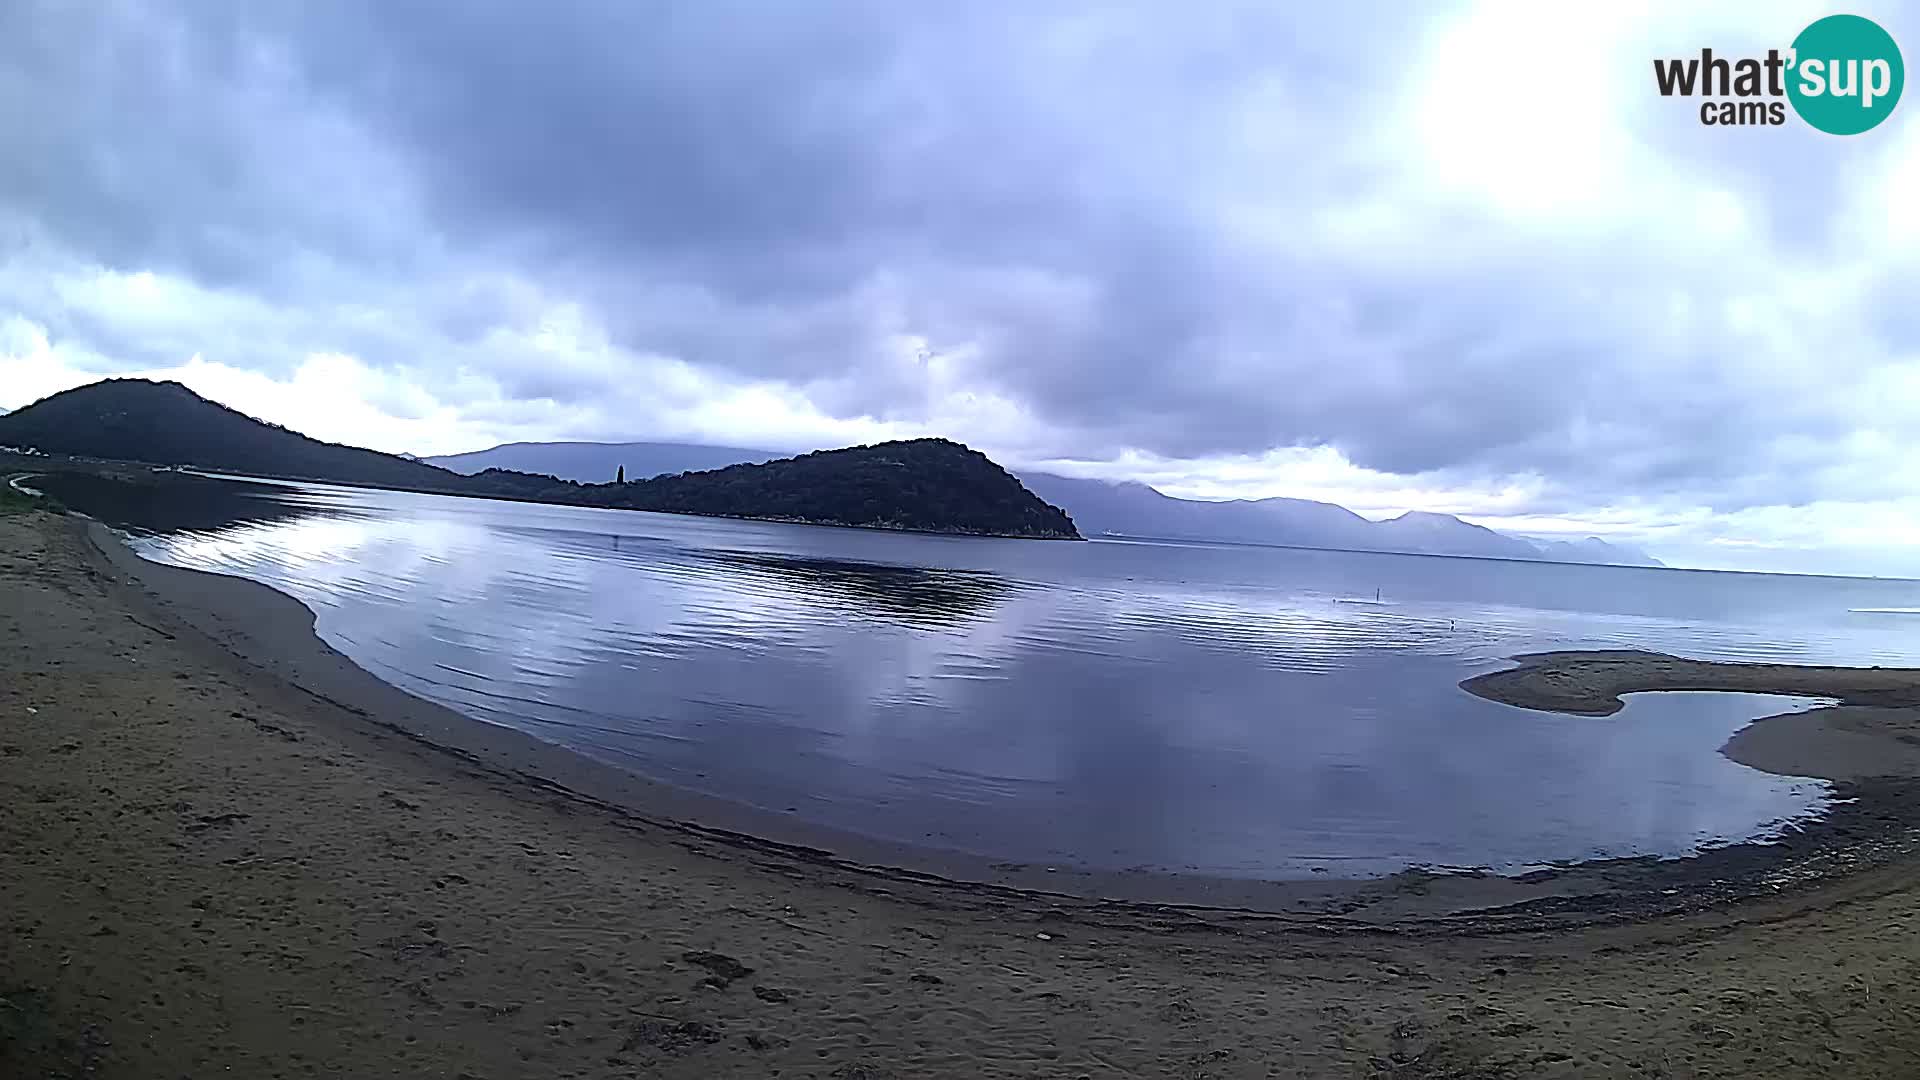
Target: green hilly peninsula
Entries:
(932, 485)
(927, 485)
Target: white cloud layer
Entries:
(1463, 258)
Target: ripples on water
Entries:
(1226, 710)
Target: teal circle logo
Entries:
(1846, 75)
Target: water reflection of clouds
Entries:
(996, 701)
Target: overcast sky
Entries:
(1445, 257)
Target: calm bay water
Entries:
(1223, 710)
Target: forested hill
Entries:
(164, 423)
(924, 484)
(932, 485)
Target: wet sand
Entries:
(1874, 732)
(227, 851)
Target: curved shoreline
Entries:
(274, 633)
(213, 867)
(1870, 732)
(1590, 682)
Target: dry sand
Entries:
(225, 852)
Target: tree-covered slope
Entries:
(927, 484)
(164, 423)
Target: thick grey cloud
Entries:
(1077, 231)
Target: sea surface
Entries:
(1223, 710)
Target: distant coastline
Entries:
(927, 485)
(1129, 509)
(1204, 542)
(494, 497)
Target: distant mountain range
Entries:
(587, 462)
(1101, 507)
(931, 485)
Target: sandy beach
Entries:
(227, 851)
